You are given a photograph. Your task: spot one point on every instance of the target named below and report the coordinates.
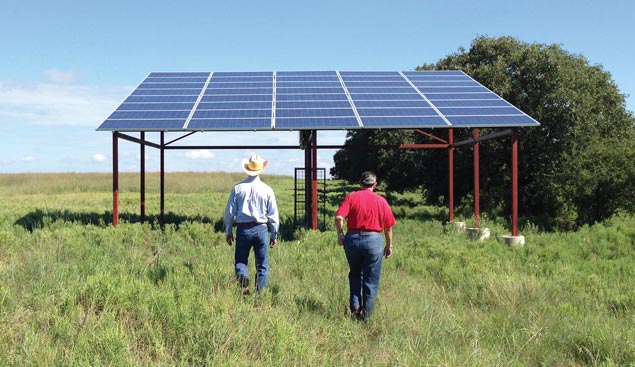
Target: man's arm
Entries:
(230, 212)
(339, 225)
(388, 247)
(273, 220)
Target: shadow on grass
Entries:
(39, 219)
(310, 304)
(425, 214)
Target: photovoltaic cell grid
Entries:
(312, 100)
(162, 102)
(316, 100)
(388, 99)
(235, 101)
(463, 102)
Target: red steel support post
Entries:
(308, 161)
(143, 176)
(162, 176)
(314, 186)
(115, 178)
(451, 173)
(477, 188)
(514, 182)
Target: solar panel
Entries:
(315, 100)
(235, 101)
(142, 124)
(154, 99)
(490, 121)
(403, 122)
(312, 100)
(230, 124)
(166, 92)
(317, 123)
(311, 97)
(178, 75)
(394, 112)
(466, 103)
(171, 80)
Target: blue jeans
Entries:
(257, 238)
(365, 254)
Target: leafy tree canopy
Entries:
(577, 167)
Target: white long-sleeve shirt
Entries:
(252, 201)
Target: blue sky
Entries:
(66, 65)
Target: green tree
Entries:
(576, 168)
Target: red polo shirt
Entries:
(365, 209)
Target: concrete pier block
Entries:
(458, 227)
(514, 241)
(478, 234)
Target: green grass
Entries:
(74, 291)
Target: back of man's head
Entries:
(368, 179)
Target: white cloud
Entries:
(99, 157)
(200, 154)
(59, 76)
(60, 102)
(28, 158)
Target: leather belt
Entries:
(248, 224)
(362, 231)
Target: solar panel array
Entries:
(311, 100)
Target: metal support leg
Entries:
(514, 182)
(143, 176)
(162, 177)
(115, 178)
(477, 188)
(314, 188)
(308, 162)
(451, 174)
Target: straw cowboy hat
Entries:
(254, 165)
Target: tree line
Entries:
(577, 168)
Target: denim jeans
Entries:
(365, 253)
(257, 238)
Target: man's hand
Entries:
(387, 251)
(273, 242)
(230, 239)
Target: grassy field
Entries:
(74, 291)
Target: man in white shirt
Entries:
(252, 206)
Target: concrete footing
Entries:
(458, 227)
(478, 234)
(514, 241)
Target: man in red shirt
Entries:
(367, 215)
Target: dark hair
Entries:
(368, 179)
